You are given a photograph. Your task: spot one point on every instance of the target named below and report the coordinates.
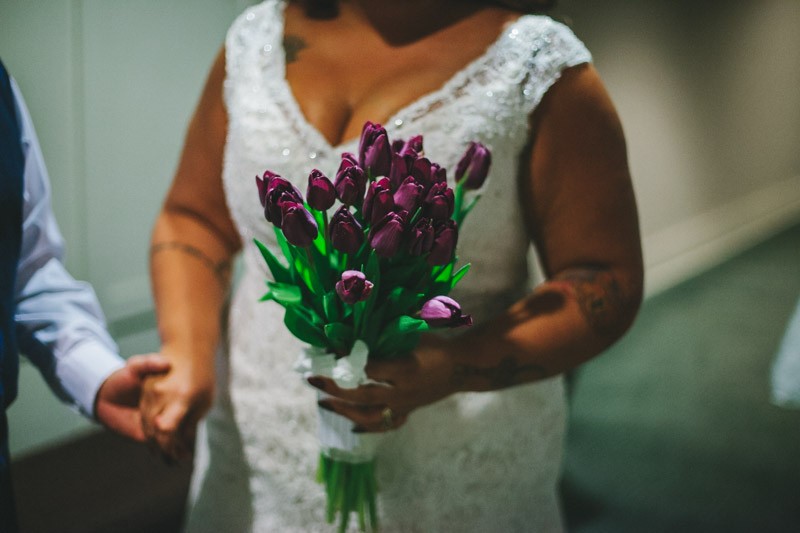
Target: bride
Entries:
(476, 421)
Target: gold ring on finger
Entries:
(387, 418)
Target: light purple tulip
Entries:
(299, 226)
(353, 287)
(444, 312)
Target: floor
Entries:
(671, 430)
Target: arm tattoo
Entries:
(220, 269)
(505, 374)
(292, 44)
(599, 297)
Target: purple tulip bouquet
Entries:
(366, 282)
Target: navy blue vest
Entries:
(12, 165)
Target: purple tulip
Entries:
(299, 226)
(474, 166)
(438, 173)
(387, 235)
(279, 191)
(421, 170)
(350, 184)
(444, 312)
(421, 237)
(444, 243)
(348, 160)
(353, 287)
(411, 147)
(345, 232)
(409, 195)
(401, 169)
(378, 201)
(263, 184)
(374, 151)
(320, 193)
(439, 202)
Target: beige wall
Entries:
(708, 94)
(707, 91)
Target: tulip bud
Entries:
(411, 147)
(409, 195)
(439, 202)
(421, 170)
(345, 232)
(299, 226)
(438, 173)
(374, 151)
(444, 312)
(320, 193)
(401, 169)
(348, 160)
(278, 192)
(474, 166)
(444, 243)
(350, 185)
(387, 235)
(378, 201)
(421, 237)
(263, 184)
(353, 287)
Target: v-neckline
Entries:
(394, 121)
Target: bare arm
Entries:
(193, 243)
(582, 215)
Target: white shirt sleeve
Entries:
(60, 325)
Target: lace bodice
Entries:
(471, 462)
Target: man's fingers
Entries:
(145, 365)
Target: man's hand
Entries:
(117, 401)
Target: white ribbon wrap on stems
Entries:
(336, 436)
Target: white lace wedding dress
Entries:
(478, 462)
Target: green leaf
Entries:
(446, 272)
(460, 274)
(285, 294)
(304, 329)
(280, 273)
(340, 336)
(400, 335)
(331, 304)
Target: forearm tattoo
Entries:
(600, 298)
(292, 44)
(505, 374)
(221, 269)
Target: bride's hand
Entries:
(173, 404)
(422, 378)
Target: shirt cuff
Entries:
(84, 369)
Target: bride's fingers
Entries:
(367, 418)
(371, 394)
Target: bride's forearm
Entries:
(190, 272)
(564, 322)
